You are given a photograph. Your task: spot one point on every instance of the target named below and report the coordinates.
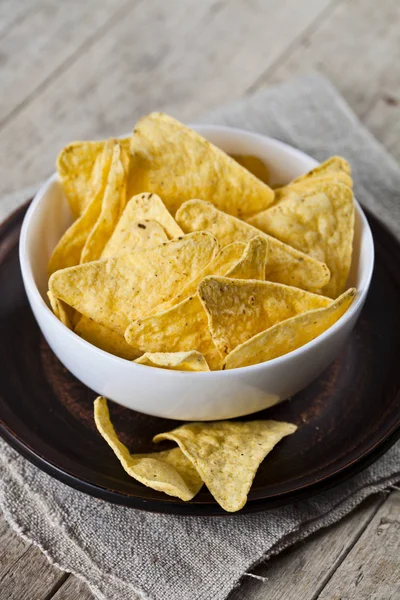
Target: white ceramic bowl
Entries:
(179, 394)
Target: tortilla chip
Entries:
(77, 165)
(253, 164)
(253, 263)
(238, 309)
(115, 291)
(112, 205)
(334, 164)
(177, 361)
(227, 454)
(68, 251)
(175, 162)
(228, 257)
(321, 225)
(288, 335)
(149, 206)
(182, 328)
(104, 338)
(137, 235)
(285, 264)
(168, 471)
(62, 311)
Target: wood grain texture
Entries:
(25, 573)
(304, 569)
(73, 589)
(188, 60)
(371, 570)
(51, 34)
(159, 55)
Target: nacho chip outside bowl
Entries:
(187, 395)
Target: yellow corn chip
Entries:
(104, 338)
(308, 186)
(288, 335)
(178, 164)
(253, 262)
(322, 225)
(77, 165)
(333, 164)
(177, 361)
(228, 257)
(112, 205)
(285, 264)
(182, 328)
(137, 235)
(168, 471)
(238, 309)
(253, 164)
(62, 311)
(227, 454)
(118, 290)
(149, 206)
(68, 251)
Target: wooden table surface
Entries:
(77, 69)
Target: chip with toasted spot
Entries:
(285, 264)
(135, 235)
(320, 223)
(115, 291)
(168, 471)
(288, 335)
(238, 309)
(177, 163)
(177, 361)
(227, 454)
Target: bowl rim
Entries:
(30, 284)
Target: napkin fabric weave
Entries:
(126, 554)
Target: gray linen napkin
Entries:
(125, 554)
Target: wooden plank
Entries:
(181, 56)
(73, 589)
(299, 572)
(31, 577)
(50, 35)
(12, 547)
(372, 568)
(357, 48)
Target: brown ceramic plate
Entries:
(346, 418)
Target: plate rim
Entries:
(167, 506)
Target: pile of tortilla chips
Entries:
(182, 257)
(224, 455)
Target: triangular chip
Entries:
(115, 291)
(168, 471)
(104, 338)
(227, 258)
(332, 165)
(238, 309)
(177, 163)
(321, 225)
(112, 205)
(137, 235)
(149, 206)
(176, 361)
(77, 166)
(227, 454)
(288, 335)
(285, 264)
(62, 311)
(68, 251)
(253, 262)
(181, 328)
